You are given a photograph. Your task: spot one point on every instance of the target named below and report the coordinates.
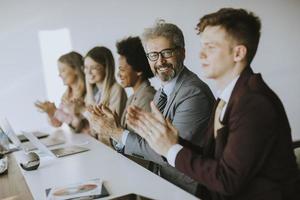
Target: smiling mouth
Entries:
(204, 65)
(91, 77)
(164, 68)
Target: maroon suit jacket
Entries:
(252, 156)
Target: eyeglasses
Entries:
(165, 53)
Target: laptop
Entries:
(38, 134)
(58, 152)
(27, 146)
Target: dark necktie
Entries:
(162, 101)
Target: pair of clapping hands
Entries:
(105, 121)
(73, 106)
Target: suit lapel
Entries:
(237, 92)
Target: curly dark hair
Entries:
(241, 25)
(132, 49)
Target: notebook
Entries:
(65, 151)
(89, 189)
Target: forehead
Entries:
(215, 35)
(89, 61)
(123, 61)
(64, 66)
(158, 44)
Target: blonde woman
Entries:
(72, 102)
(101, 85)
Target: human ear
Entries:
(239, 53)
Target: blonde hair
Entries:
(75, 61)
(103, 56)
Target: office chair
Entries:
(296, 146)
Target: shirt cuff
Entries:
(172, 153)
(124, 136)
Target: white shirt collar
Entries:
(226, 93)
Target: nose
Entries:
(119, 74)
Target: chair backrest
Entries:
(296, 146)
(297, 154)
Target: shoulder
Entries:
(149, 91)
(255, 89)
(190, 79)
(191, 84)
(146, 95)
(117, 88)
(256, 100)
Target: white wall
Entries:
(97, 22)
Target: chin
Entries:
(66, 83)
(91, 81)
(123, 84)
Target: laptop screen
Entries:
(8, 130)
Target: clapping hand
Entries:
(105, 121)
(73, 105)
(160, 134)
(46, 106)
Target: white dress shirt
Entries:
(225, 96)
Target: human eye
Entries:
(208, 46)
(167, 53)
(152, 56)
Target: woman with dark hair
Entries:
(72, 102)
(134, 72)
(101, 85)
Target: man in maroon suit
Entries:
(247, 152)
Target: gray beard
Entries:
(175, 71)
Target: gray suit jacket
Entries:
(188, 108)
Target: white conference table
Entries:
(120, 175)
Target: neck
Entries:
(99, 85)
(137, 84)
(72, 89)
(224, 80)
